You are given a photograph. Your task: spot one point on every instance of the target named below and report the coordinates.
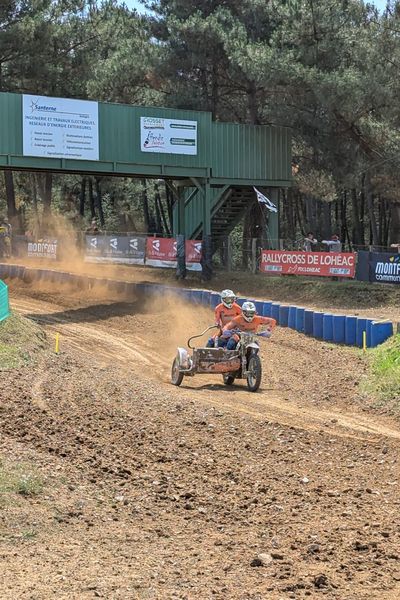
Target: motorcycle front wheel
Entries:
(254, 373)
(176, 375)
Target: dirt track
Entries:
(159, 492)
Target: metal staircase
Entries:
(226, 211)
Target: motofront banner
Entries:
(384, 267)
(42, 248)
(115, 249)
(321, 264)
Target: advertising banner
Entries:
(168, 135)
(115, 249)
(60, 128)
(161, 252)
(193, 254)
(384, 267)
(321, 264)
(42, 248)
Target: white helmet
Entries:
(228, 298)
(248, 311)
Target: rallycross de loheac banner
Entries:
(321, 264)
(128, 250)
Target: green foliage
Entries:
(20, 342)
(384, 376)
(329, 70)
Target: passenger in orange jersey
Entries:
(248, 321)
(224, 313)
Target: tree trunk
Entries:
(161, 210)
(34, 192)
(82, 197)
(358, 225)
(99, 201)
(326, 220)
(395, 223)
(91, 199)
(146, 213)
(48, 185)
(10, 194)
(371, 211)
(310, 214)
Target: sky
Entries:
(380, 4)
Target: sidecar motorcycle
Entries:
(242, 363)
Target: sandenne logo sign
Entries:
(308, 263)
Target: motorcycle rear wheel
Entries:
(255, 372)
(176, 375)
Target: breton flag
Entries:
(264, 200)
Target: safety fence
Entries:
(4, 303)
(334, 328)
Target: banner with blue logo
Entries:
(384, 267)
(115, 248)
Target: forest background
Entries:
(328, 70)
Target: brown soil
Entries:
(153, 491)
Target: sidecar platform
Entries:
(215, 360)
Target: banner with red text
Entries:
(321, 264)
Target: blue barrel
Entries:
(327, 327)
(317, 324)
(196, 296)
(292, 317)
(214, 299)
(188, 295)
(205, 298)
(380, 332)
(300, 319)
(283, 315)
(259, 306)
(369, 328)
(267, 309)
(275, 311)
(360, 328)
(339, 322)
(308, 321)
(350, 330)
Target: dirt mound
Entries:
(203, 491)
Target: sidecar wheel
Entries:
(254, 376)
(228, 379)
(176, 375)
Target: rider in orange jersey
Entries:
(227, 310)
(248, 321)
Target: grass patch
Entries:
(19, 479)
(20, 341)
(384, 374)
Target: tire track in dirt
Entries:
(112, 343)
